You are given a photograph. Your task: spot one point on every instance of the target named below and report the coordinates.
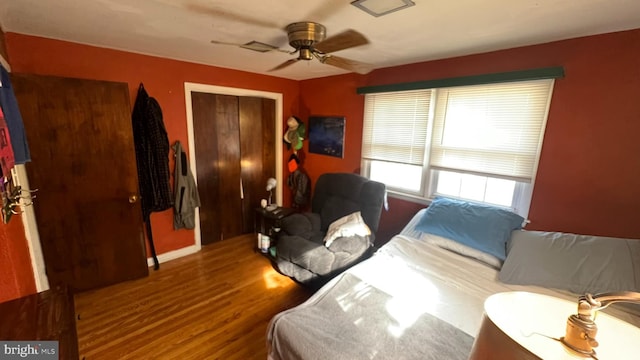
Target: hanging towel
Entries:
(186, 193)
(14, 119)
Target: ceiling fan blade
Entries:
(285, 64)
(347, 64)
(253, 45)
(344, 40)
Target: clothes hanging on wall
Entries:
(152, 156)
(185, 191)
(300, 186)
(13, 146)
(298, 181)
(7, 158)
(10, 197)
(13, 118)
(152, 153)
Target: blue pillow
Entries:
(482, 227)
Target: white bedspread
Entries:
(416, 278)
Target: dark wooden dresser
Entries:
(49, 315)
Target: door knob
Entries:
(133, 198)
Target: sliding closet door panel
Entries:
(216, 138)
(257, 148)
(228, 136)
(205, 142)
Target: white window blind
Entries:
(493, 129)
(395, 126)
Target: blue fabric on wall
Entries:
(482, 227)
(14, 119)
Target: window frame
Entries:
(523, 191)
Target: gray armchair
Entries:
(301, 252)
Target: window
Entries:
(479, 143)
(395, 137)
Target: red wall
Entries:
(16, 275)
(334, 95)
(163, 78)
(588, 179)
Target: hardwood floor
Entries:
(215, 304)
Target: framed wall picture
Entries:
(326, 135)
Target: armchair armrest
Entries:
(305, 253)
(352, 245)
(317, 258)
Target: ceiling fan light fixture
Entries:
(305, 54)
(378, 8)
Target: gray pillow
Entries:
(578, 263)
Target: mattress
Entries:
(385, 307)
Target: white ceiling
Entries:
(432, 29)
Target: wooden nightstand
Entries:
(268, 222)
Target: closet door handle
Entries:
(241, 190)
(133, 199)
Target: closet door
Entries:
(257, 152)
(235, 155)
(217, 144)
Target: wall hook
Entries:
(11, 196)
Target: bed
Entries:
(413, 299)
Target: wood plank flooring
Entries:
(214, 304)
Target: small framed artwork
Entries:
(326, 135)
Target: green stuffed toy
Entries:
(295, 133)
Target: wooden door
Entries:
(235, 155)
(217, 144)
(83, 163)
(257, 153)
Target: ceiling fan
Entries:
(309, 40)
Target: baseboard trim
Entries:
(175, 254)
